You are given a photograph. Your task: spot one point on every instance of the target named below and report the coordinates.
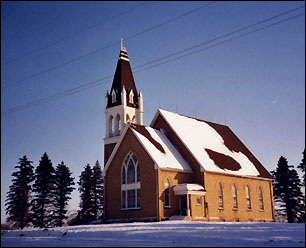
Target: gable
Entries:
(215, 147)
(156, 146)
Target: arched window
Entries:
(234, 193)
(134, 120)
(117, 125)
(130, 183)
(110, 126)
(167, 193)
(261, 204)
(220, 195)
(128, 118)
(248, 197)
(113, 96)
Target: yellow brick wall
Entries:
(174, 179)
(242, 214)
(196, 211)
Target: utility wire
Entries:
(107, 46)
(220, 37)
(98, 82)
(73, 34)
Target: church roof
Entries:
(160, 149)
(123, 78)
(215, 147)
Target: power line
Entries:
(222, 36)
(108, 46)
(220, 43)
(97, 82)
(73, 34)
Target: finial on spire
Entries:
(122, 47)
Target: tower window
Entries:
(131, 97)
(113, 96)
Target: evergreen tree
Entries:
(18, 198)
(63, 189)
(287, 190)
(301, 166)
(44, 186)
(86, 190)
(98, 191)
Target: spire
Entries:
(123, 78)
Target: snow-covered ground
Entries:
(167, 233)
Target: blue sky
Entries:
(254, 84)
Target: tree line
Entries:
(40, 198)
(287, 190)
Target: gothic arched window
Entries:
(167, 193)
(113, 96)
(130, 182)
(110, 126)
(220, 195)
(261, 204)
(117, 125)
(234, 193)
(248, 197)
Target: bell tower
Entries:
(123, 103)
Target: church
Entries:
(179, 167)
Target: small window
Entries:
(220, 196)
(248, 198)
(235, 200)
(131, 172)
(123, 205)
(199, 200)
(113, 96)
(167, 193)
(261, 204)
(131, 97)
(138, 198)
(131, 198)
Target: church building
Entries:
(179, 167)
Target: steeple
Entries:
(123, 103)
(123, 78)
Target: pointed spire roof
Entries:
(123, 78)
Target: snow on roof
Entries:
(160, 148)
(208, 146)
(188, 187)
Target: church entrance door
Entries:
(183, 205)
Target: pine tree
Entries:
(301, 166)
(287, 190)
(86, 190)
(98, 191)
(44, 186)
(63, 189)
(18, 198)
